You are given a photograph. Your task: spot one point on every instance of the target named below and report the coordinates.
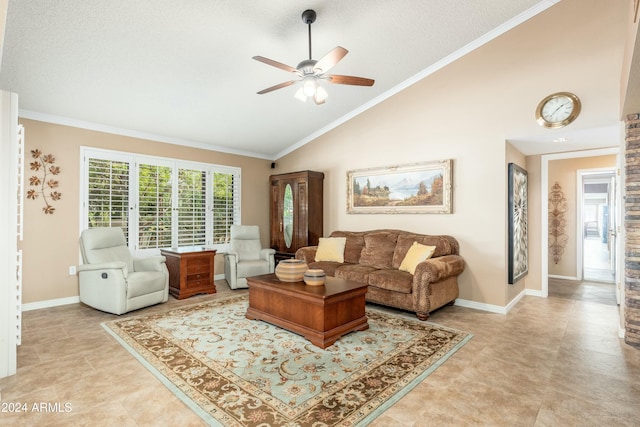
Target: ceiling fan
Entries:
(311, 72)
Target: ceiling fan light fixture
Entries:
(321, 95)
(309, 86)
(300, 96)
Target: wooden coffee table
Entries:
(321, 314)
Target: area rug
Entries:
(237, 372)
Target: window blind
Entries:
(154, 206)
(108, 194)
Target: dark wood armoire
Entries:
(296, 211)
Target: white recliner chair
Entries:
(112, 280)
(246, 257)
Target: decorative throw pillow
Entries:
(331, 249)
(378, 249)
(415, 255)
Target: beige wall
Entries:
(462, 112)
(564, 172)
(50, 242)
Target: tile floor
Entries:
(553, 361)
(597, 262)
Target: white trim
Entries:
(580, 175)
(515, 300)
(558, 276)
(496, 308)
(134, 160)
(534, 293)
(544, 214)
(481, 306)
(9, 288)
(49, 118)
(50, 303)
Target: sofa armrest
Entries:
(152, 263)
(307, 254)
(231, 257)
(267, 254)
(435, 269)
(114, 265)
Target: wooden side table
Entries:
(190, 270)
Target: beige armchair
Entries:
(112, 280)
(246, 256)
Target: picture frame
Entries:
(411, 188)
(518, 223)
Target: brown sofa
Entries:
(373, 257)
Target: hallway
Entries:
(596, 261)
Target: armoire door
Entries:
(296, 210)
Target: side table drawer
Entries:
(196, 284)
(198, 276)
(195, 269)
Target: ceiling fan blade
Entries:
(275, 64)
(278, 86)
(349, 80)
(330, 59)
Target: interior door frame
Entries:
(544, 205)
(611, 199)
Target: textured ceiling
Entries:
(183, 72)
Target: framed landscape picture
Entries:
(412, 188)
(518, 236)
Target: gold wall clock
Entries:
(558, 110)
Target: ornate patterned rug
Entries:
(237, 372)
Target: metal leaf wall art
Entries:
(557, 222)
(44, 180)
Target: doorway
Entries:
(598, 227)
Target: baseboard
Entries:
(50, 303)
(481, 306)
(535, 293)
(556, 276)
(71, 300)
(496, 308)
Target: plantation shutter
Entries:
(192, 194)
(159, 202)
(226, 205)
(107, 203)
(154, 206)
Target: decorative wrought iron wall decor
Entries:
(45, 185)
(557, 222)
(518, 220)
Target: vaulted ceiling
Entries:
(183, 72)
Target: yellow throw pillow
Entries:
(415, 255)
(331, 249)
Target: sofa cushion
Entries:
(353, 246)
(379, 249)
(331, 249)
(415, 255)
(393, 280)
(329, 267)
(356, 272)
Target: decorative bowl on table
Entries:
(314, 277)
(291, 270)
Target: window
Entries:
(159, 202)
